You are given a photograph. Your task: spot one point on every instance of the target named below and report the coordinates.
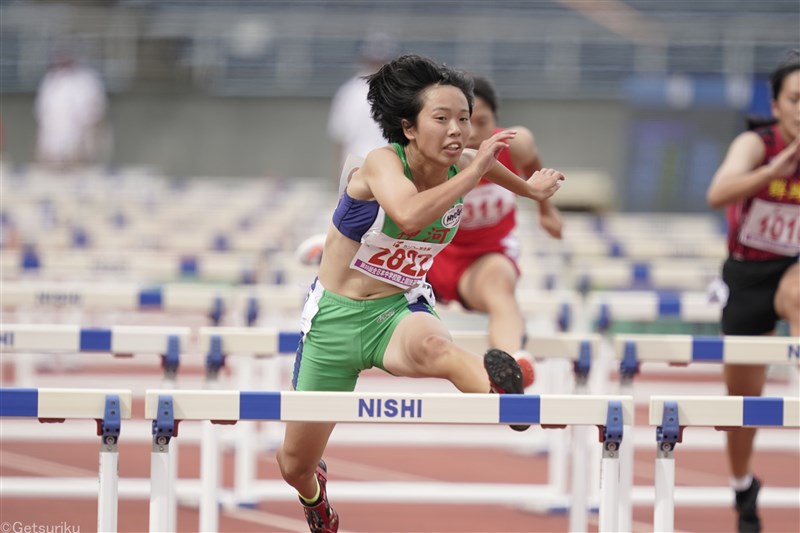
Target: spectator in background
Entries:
(70, 112)
(759, 185)
(350, 123)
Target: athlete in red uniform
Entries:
(479, 268)
(759, 183)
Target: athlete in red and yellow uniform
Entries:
(759, 184)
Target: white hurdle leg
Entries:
(626, 454)
(210, 460)
(108, 490)
(209, 477)
(558, 441)
(609, 469)
(160, 490)
(578, 521)
(664, 506)
(108, 496)
(579, 486)
(667, 434)
(609, 492)
(162, 472)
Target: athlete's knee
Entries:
(430, 349)
(787, 297)
(294, 468)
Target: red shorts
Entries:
(451, 263)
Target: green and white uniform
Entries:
(342, 336)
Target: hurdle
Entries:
(211, 301)
(672, 414)
(560, 307)
(157, 213)
(604, 307)
(107, 407)
(246, 345)
(166, 342)
(168, 408)
(622, 273)
(226, 267)
(633, 350)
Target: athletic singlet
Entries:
(489, 210)
(387, 253)
(767, 225)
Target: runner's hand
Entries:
(545, 183)
(487, 152)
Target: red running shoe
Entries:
(505, 376)
(528, 373)
(321, 517)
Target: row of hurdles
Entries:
(63, 212)
(163, 266)
(248, 304)
(245, 343)
(166, 408)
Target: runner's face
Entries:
(787, 107)
(483, 123)
(443, 127)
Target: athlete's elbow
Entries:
(409, 226)
(713, 199)
(408, 220)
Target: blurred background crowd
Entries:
(638, 98)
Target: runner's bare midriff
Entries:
(336, 275)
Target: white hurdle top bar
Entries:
(729, 411)
(117, 296)
(62, 403)
(649, 306)
(262, 341)
(731, 349)
(73, 338)
(436, 408)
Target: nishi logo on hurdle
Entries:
(168, 408)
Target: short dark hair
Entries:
(395, 91)
(790, 64)
(485, 91)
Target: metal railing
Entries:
(307, 48)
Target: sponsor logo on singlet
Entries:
(452, 216)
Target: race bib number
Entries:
(486, 205)
(397, 262)
(772, 227)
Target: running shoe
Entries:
(505, 376)
(746, 507)
(321, 517)
(528, 373)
